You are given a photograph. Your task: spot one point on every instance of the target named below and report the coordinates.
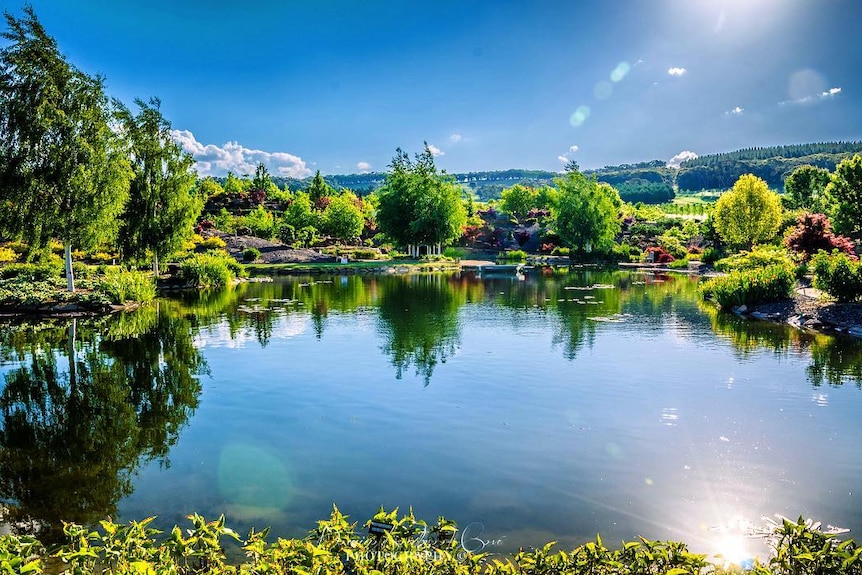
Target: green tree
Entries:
(209, 188)
(844, 196)
(300, 214)
(342, 218)
(804, 188)
(519, 200)
(319, 189)
(417, 205)
(587, 215)
(234, 185)
(748, 213)
(63, 172)
(162, 206)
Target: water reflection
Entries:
(835, 360)
(83, 405)
(418, 321)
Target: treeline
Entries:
(771, 164)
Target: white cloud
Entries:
(678, 159)
(812, 98)
(737, 111)
(676, 71)
(435, 151)
(212, 160)
(363, 167)
(574, 148)
(563, 159)
(455, 138)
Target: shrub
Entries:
(750, 286)
(838, 275)
(250, 254)
(212, 243)
(758, 257)
(209, 270)
(672, 245)
(626, 253)
(121, 285)
(710, 256)
(7, 255)
(514, 255)
(559, 251)
(813, 233)
(363, 254)
(680, 264)
(455, 253)
(35, 272)
(661, 256)
(103, 257)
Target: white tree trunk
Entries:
(70, 278)
(156, 264)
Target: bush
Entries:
(208, 270)
(710, 256)
(250, 254)
(813, 233)
(680, 264)
(35, 272)
(7, 255)
(365, 254)
(661, 256)
(750, 286)
(838, 275)
(212, 243)
(455, 253)
(758, 257)
(626, 253)
(514, 256)
(121, 285)
(560, 251)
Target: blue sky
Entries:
(336, 86)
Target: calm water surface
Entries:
(549, 407)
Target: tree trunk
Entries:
(70, 277)
(73, 358)
(156, 264)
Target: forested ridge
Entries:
(651, 182)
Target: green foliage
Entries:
(250, 254)
(410, 547)
(162, 206)
(342, 218)
(208, 270)
(710, 255)
(758, 257)
(759, 285)
(121, 285)
(838, 275)
(417, 205)
(587, 214)
(514, 255)
(749, 213)
(35, 272)
(63, 171)
(455, 253)
(225, 221)
(804, 188)
(672, 244)
(519, 200)
(844, 197)
(679, 264)
(319, 188)
(209, 189)
(212, 243)
(259, 221)
(7, 255)
(560, 251)
(299, 214)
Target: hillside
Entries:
(651, 182)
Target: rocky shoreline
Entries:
(809, 310)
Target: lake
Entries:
(549, 406)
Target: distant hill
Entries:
(773, 164)
(651, 182)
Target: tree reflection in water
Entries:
(80, 412)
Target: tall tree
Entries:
(749, 213)
(418, 205)
(319, 189)
(519, 200)
(63, 171)
(804, 188)
(162, 205)
(587, 214)
(844, 197)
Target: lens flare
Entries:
(620, 71)
(603, 90)
(580, 116)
